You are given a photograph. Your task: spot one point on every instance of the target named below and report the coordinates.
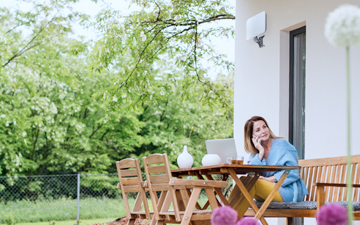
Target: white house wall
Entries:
(261, 77)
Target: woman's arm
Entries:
(291, 178)
(288, 159)
(254, 160)
(270, 179)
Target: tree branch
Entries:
(13, 28)
(193, 22)
(96, 130)
(102, 137)
(140, 57)
(20, 53)
(158, 15)
(195, 57)
(26, 48)
(163, 113)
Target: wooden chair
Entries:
(177, 192)
(326, 179)
(130, 181)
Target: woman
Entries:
(267, 149)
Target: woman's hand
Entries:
(257, 143)
(271, 179)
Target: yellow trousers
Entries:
(260, 191)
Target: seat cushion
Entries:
(304, 205)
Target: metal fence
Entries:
(63, 197)
(69, 191)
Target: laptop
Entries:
(225, 148)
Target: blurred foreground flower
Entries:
(248, 221)
(332, 214)
(224, 215)
(342, 27)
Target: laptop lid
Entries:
(225, 148)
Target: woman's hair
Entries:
(248, 130)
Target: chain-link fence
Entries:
(59, 197)
(64, 197)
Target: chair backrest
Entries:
(158, 175)
(330, 170)
(157, 171)
(130, 180)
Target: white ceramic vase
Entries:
(185, 160)
(211, 160)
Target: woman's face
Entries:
(261, 130)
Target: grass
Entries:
(62, 210)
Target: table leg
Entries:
(191, 205)
(259, 214)
(212, 199)
(248, 182)
(218, 191)
(246, 194)
(181, 199)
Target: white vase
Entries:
(211, 160)
(185, 160)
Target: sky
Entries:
(223, 46)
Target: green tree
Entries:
(171, 31)
(49, 123)
(156, 54)
(173, 113)
(67, 105)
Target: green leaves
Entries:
(171, 31)
(67, 105)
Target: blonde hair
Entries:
(248, 130)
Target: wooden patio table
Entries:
(253, 173)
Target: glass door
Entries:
(297, 90)
(297, 94)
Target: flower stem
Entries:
(349, 177)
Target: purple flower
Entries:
(248, 221)
(224, 215)
(332, 214)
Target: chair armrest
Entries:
(335, 185)
(118, 186)
(320, 191)
(198, 183)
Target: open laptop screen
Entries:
(225, 148)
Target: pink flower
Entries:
(248, 221)
(224, 215)
(332, 214)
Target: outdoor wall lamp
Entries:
(255, 27)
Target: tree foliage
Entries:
(67, 105)
(176, 31)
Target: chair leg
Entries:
(131, 222)
(160, 222)
(289, 220)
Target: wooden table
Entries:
(253, 173)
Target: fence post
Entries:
(78, 196)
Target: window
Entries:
(297, 90)
(297, 94)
